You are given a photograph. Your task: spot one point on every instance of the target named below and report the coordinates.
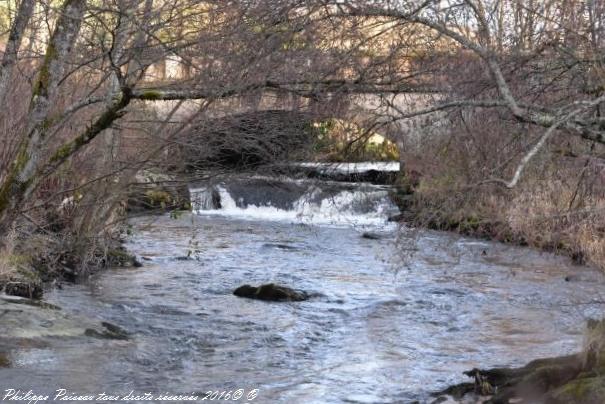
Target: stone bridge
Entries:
(372, 112)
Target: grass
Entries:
(548, 214)
(9, 261)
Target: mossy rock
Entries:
(29, 290)
(159, 198)
(577, 378)
(4, 360)
(118, 257)
(589, 390)
(18, 260)
(457, 391)
(532, 380)
(594, 353)
(402, 199)
(159, 193)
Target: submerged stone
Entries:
(280, 246)
(111, 331)
(270, 292)
(33, 303)
(26, 320)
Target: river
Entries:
(393, 317)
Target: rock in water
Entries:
(270, 292)
(111, 331)
(23, 289)
(246, 291)
(372, 236)
(158, 192)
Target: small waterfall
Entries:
(319, 203)
(208, 198)
(226, 200)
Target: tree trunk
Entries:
(10, 58)
(21, 176)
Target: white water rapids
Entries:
(354, 205)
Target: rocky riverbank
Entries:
(577, 378)
(32, 275)
(26, 322)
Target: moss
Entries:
(104, 121)
(62, 153)
(47, 123)
(27, 273)
(119, 254)
(176, 214)
(576, 389)
(151, 95)
(18, 260)
(10, 184)
(22, 157)
(41, 85)
(587, 390)
(121, 258)
(158, 197)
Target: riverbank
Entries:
(28, 274)
(58, 253)
(556, 206)
(538, 221)
(520, 217)
(576, 378)
(28, 322)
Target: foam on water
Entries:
(365, 208)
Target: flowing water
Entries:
(392, 319)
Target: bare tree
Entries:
(540, 46)
(118, 82)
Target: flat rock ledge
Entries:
(271, 292)
(33, 319)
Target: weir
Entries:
(296, 201)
